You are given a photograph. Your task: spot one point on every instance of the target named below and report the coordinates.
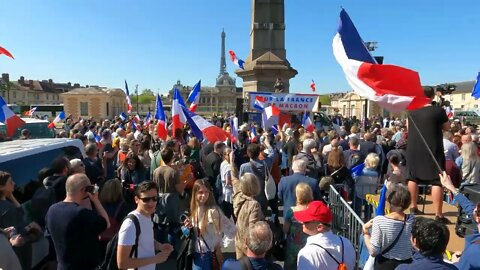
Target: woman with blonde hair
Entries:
(209, 225)
(296, 238)
(366, 183)
(246, 208)
(469, 163)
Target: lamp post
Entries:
(136, 93)
(371, 46)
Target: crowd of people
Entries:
(185, 200)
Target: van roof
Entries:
(18, 148)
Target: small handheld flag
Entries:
(236, 61)
(30, 112)
(307, 123)
(129, 102)
(260, 103)
(123, 116)
(312, 86)
(194, 96)
(161, 120)
(476, 88)
(6, 53)
(9, 118)
(60, 117)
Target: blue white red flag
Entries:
(9, 118)
(30, 112)
(146, 122)
(236, 61)
(260, 102)
(234, 128)
(60, 117)
(201, 128)
(253, 134)
(270, 116)
(194, 96)
(136, 118)
(178, 115)
(129, 102)
(307, 123)
(313, 86)
(123, 116)
(162, 131)
(476, 88)
(392, 87)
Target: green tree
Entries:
(5, 88)
(147, 92)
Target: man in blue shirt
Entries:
(287, 184)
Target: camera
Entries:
(92, 189)
(446, 88)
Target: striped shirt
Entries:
(384, 232)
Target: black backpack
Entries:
(110, 261)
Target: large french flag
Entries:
(270, 116)
(201, 128)
(60, 117)
(9, 118)
(307, 123)
(194, 96)
(392, 87)
(129, 102)
(161, 120)
(178, 116)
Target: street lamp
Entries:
(136, 93)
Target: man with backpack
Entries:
(136, 241)
(324, 249)
(258, 241)
(353, 156)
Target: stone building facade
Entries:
(99, 103)
(31, 92)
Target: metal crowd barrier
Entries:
(345, 221)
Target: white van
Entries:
(23, 159)
(38, 129)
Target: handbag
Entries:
(270, 186)
(215, 258)
(379, 259)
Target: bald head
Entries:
(76, 182)
(335, 143)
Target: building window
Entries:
(14, 94)
(108, 109)
(463, 98)
(47, 97)
(344, 109)
(463, 106)
(475, 106)
(84, 108)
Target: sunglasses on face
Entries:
(149, 199)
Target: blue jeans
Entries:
(202, 261)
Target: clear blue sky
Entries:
(155, 43)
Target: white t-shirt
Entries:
(146, 241)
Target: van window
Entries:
(37, 131)
(25, 169)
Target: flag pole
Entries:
(410, 119)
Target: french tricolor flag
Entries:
(260, 102)
(253, 134)
(194, 96)
(146, 122)
(161, 120)
(201, 128)
(60, 117)
(129, 102)
(307, 123)
(270, 116)
(392, 87)
(9, 118)
(236, 61)
(178, 116)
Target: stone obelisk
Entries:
(266, 67)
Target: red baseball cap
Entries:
(316, 211)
